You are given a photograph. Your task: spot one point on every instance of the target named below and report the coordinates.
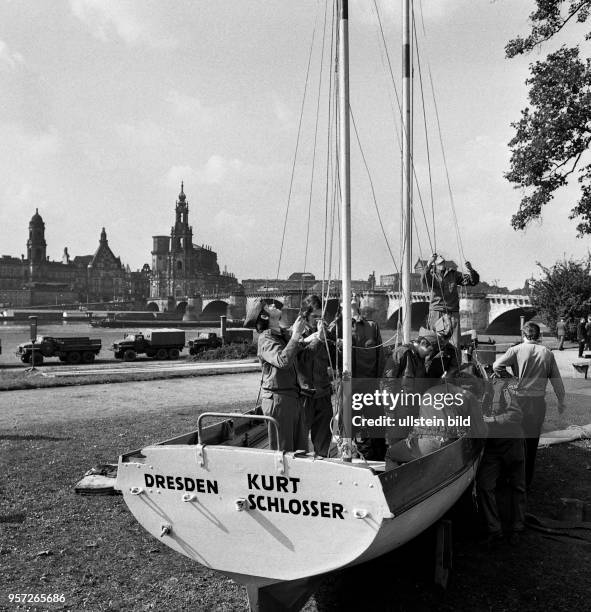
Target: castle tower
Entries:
(36, 245)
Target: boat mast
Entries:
(345, 192)
(406, 168)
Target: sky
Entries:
(105, 106)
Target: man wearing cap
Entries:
(279, 384)
(443, 285)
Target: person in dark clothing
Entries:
(443, 284)
(367, 367)
(443, 362)
(581, 335)
(405, 372)
(312, 367)
(504, 456)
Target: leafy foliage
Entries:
(563, 291)
(554, 133)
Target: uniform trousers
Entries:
(534, 413)
(289, 414)
(318, 415)
(502, 457)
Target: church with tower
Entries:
(182, 269)
(35, 280)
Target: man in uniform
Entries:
(280, 389)
(405, 373)
(368, 365)
(312, 367)
(443, 284)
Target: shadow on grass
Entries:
(21, 437)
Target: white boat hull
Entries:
(264, 517)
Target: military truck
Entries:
(203, 342)
(163, 343)
(68, 349)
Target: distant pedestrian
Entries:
(534, 365)
(561, 333)
(588, 333)
(582, 335)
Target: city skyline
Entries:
(109, 105)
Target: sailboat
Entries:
(278, 521)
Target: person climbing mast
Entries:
(442, 283)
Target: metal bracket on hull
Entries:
(200, 454)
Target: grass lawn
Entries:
(93, 551)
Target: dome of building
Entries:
(36, 219)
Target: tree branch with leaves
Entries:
(554, 132)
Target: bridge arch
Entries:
(508, 322)
(181, 307)
(214, 310)
(152, 307)
(419, 312)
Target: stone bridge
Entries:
(487, 313)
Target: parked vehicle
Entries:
(162, 343)
(68, 349)
(203, 342)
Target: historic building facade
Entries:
(182, 269)
(36, 280)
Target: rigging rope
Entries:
(297, 148)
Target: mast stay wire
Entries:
(297, 147)
(427, 148)
(314, 149)
(452, 202)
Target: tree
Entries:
(563, 291)
(554, 132)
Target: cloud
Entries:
(225, 219)
(216, 169)
(191, 107)
(109, 18)
(9, 60)
(281, 111)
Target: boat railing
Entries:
(234, 415)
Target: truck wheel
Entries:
(38, 359)
(162, 354)
(26, 358)
(150, 353)
(62, 358)
(73, 357)
(174, 353)
(87, 357)
(129, 355)
(118, 355)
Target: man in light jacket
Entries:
(534, 365)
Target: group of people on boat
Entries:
(296, 388)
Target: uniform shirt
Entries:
(368, 354)
(312, 367)
(534, 364)
(277, 355)
(444, 287)
(407, 368)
